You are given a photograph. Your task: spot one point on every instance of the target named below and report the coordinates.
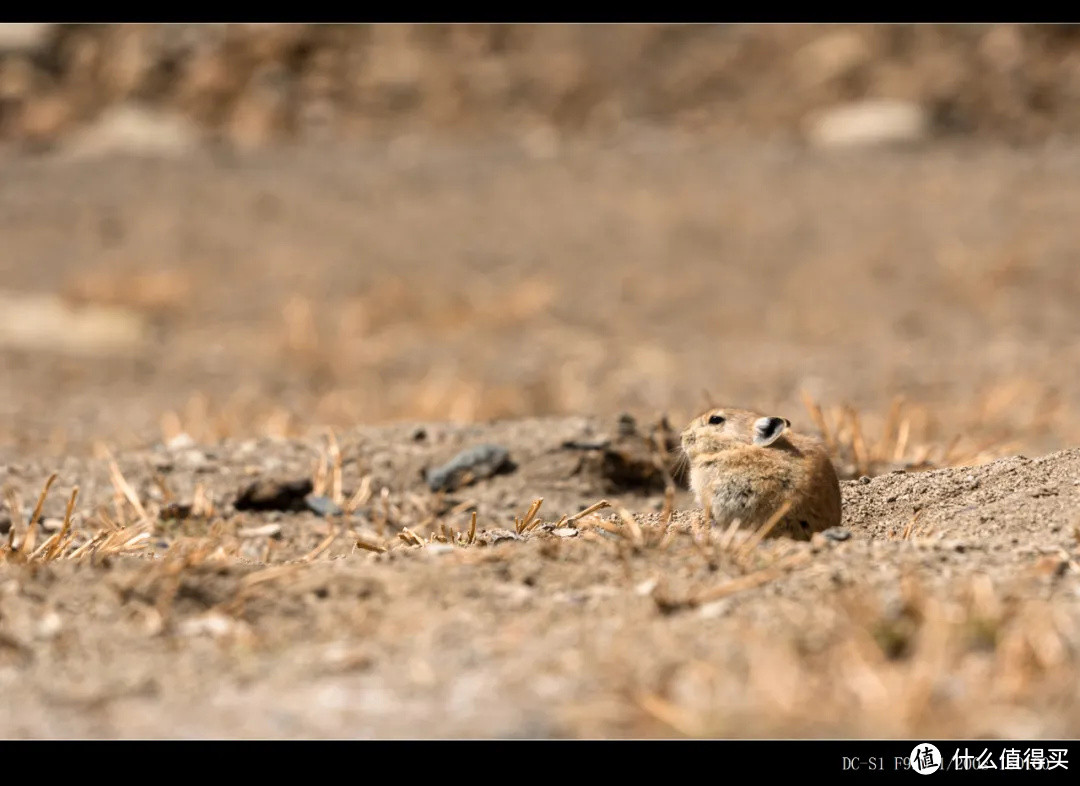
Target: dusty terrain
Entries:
(962, 620)
(456, 285)
(252, 361)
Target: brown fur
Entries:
(733, 477)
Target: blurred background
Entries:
(245, 230)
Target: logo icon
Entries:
(925, 759)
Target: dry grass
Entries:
(101, 535)
(972, 661)
(902, 442)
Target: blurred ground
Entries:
(638, 240)
(250, 85)
(275, 292)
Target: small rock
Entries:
(717, 608)
(52, 525)
(275, 495)
(870, 122)
(864, 479)
(439, 548)
(565, 532)
(182, 441)
(497, 535)
(646, 587)
(138, 131)
(195, 459)
(212, 624)
(265, 531)
(49, 626)
(323, 506)
(469, 466)
(837, 534)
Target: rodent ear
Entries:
(768, 430)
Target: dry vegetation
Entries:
(665, 626)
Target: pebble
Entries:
(49, 626)
(646, 587)
(181, 441)
(323, 506)
(265, 531)
(869, 123)
(134, 130)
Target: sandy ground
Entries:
(252, 301)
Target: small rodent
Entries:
(744, 466)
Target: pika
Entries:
(745, 466)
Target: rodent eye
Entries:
(716, 420)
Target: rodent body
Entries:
(745, 466)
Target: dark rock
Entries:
(275, 495)
(469, 466)
(837, 534)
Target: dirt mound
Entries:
(259, 84)
(395, 620)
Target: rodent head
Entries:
(724, 428)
